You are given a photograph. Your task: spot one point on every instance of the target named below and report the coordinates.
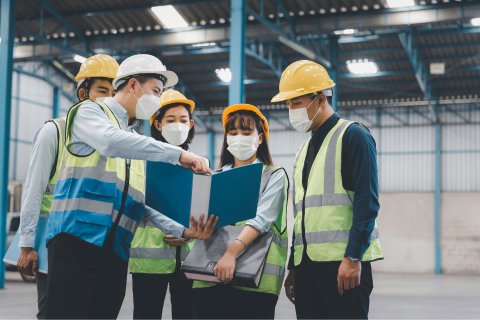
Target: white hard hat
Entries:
(144, 64)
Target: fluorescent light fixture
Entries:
(169, 17)
(79, 58)
(346, 31)
(306, 52)
(224, 74)
(361, 66)
(475, 21)
(400, 3)
(204, 44)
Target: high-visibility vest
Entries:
(274, 271)
(94, 192)
(324, 213)
(150, 254)
(48, 195)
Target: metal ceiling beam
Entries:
(63, 20)
(52, 43)
(421, 71)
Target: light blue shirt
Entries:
(270, 203)
(92, 130)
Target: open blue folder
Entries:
(40, 246)
(179, 193)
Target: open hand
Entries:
(28, 261)
(225, 268)
(196, 231)
(348, 275)
(173, 241)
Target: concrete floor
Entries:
(394, 296)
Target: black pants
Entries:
(149, 292)
(226, 302)
(84, 281)
(41, 294)
(317, 297)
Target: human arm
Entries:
(93, 130)
(360, 161)
(290, 280)
(169, 226)
(45, 144)
(268, 208)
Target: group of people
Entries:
(87, 175)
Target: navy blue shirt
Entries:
(359, 174)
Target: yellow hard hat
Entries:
(98, 66)
(172, 96)
(301, 78)
(249, 107)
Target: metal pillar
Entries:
(7, 31)
(438, 168)
(146, 128)
(211, 148)
(334, 70)
(236, 89)
(57, 95)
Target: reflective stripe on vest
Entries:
(90, 192)
(151, 254)
(326, 208)
(48, 195)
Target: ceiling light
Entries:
(376, 6)
(194, 23)
(312, 12)
(423, 3)
(71, 34)
(401, 3)
(55, 35)
(224, 74)
(333, 10)
(446, 0)
(79, 58)
(221, 20)
(130, 29)
(122, 30)
(139, 28)
(94, 32)
(365, 7)
(31, 38)
(281, 15)
(354, 8)
(434, 1)
(25, 39)
(148, 28)
(346, 31)
(48, 37)
(88, 33)
(271, 16)
(105, 31)
(204, 44)
(343, 9)
(169, 17)
(203, 22)
(213, 21)
(301, 13)
(62, 35)
(361, 66)
(113, 31)
(16, 39)
(322, 11)
(251, 18)
(475, 21)
(291, 13)
(157, 27)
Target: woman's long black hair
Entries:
(245, 120)
(157, 134)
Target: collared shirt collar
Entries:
(326, 126)
(230, 165)
(121, 114)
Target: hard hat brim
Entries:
(185, 101)
(283, 96)
(172, 78)
(248, 107)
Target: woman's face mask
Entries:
(241, 146)
(175, 133)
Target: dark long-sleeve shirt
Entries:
(359, 174)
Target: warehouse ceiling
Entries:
(365, 29)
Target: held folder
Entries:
(177, 192)
(11, 257)
(205, 254)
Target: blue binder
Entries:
(178, 193)
(11, 257)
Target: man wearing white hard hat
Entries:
(99, 198)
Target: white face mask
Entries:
(299, 118)
(175, 133)
(146, 105)
(242, 147)
(100, 99)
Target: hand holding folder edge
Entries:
(179, 193)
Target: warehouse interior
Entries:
(409, 70)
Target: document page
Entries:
(200, 196)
